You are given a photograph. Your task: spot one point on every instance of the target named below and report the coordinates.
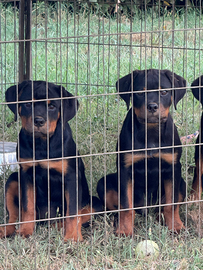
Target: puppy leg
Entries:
(171, 213)
(110, 199)
(72, 224)
(12, 200)
(28, 211)
(197, 181)
(126, 222)
(108, 192)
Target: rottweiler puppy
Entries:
(51, 181)
(196, 192)
(149, 150)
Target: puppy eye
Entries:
(164, 92)
(51, 107)
(28, 105)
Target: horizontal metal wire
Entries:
(59, 39)
(103, 153)
(104, 212)
(99, 95)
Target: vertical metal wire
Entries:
(33, 169)
(28, 44)
(108, 69)
(159, 143)
(34, 74)
(200, 128)
(48, 155)
(28, 75)
(172, 48)
(18, 129)
(19, 173)
(133, 146)
(90, 109)
(59, 36)
(118, 160)
(21, 38)
(76, 46)
(146, 144)
(101, 44)
(105, 135)
(3, 86)
(185, 52)
(98, 58)
(67, 79)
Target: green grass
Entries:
(88, 53)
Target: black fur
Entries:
(57, 187)
(149, 115)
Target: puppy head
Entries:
(39, 105)
(153, 105)
(198, 91)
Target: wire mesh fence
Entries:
(93, 177)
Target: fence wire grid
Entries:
(91, 179)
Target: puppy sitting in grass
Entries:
(149, 150)
(51, 180)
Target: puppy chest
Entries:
(48, 185)
(53, 166)
(151, 158)
(150, 168)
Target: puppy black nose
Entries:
(152, 107)
(39, 121)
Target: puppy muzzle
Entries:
(39, 121)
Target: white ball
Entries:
(147, 248)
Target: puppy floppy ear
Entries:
(176, 82)
(11, 96)
(70, 104)
(198, 92)
(125, 85)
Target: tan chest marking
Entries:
(130, 159)
(58, 165)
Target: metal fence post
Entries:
(25, 42)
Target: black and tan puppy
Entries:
(197, 90)
(148, 166)
(51, 180)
